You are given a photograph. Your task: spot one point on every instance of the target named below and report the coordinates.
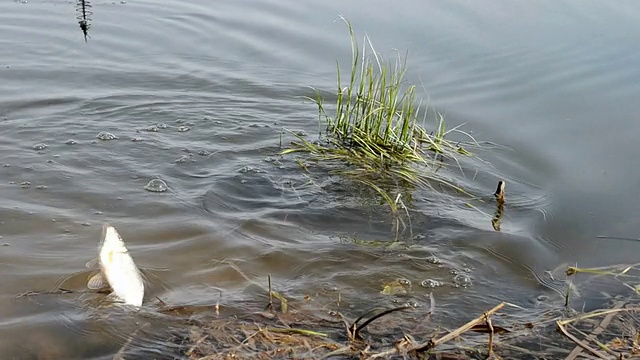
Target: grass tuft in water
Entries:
(378, 129)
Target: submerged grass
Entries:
(378, 129)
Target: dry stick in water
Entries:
(459, 331)
(270, 306)
(427, 345)
(356, 328)
(487, 320)
(597, 331)
(499, 194)
(580, 342)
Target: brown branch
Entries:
(459, 331)
(597, 331)
(580, 342)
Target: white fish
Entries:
(117, 269)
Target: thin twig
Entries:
(597, 331)
(459, 331)
(579, 342)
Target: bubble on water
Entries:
(53, 220)
(98, 212)
(162, 126)
(431, 283)
(41, 187)
(454, 272)
(301, 133)
(412, 304)
(218, 122)
(204, 153)
(104, 135)
(86, 223)
(434, 260)
(71, 142)
(6, 244)
(254, 125)
(156, 185)
(137, 139)
(6, 165)
(40, 146)
(180, 121)
(182, 159)
(250, 169)
(25, 184)
(153, 128)
(183, 129)
(462, 280)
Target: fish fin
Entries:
(97, 282)
(92, 263)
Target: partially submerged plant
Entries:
(378, 129)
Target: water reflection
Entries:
(84, 13)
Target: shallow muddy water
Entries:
(196, 93)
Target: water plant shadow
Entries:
(83, 15)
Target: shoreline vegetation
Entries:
(321, 326)
(378, 134)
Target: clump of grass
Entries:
(378, 128)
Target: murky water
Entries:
(167, 124)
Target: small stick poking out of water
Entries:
(500, 192)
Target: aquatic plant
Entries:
(379, 129)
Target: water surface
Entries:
(205, 89)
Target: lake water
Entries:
(207, 88)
